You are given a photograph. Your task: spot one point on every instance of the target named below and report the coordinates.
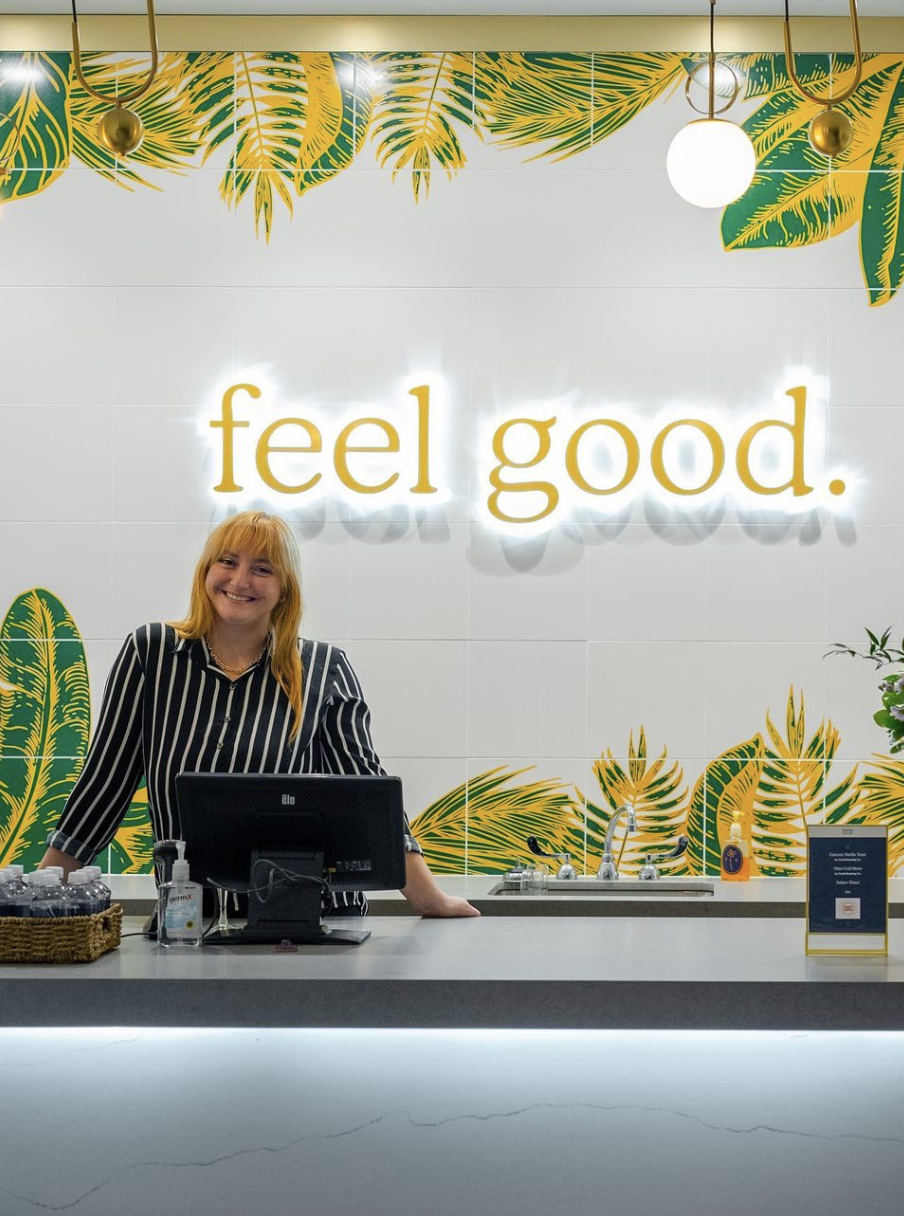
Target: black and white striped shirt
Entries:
(167, 709)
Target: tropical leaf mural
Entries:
(422, 102)
(132, 849)
(292, 121)
(487, 820)
(656, 792)
(44, 721)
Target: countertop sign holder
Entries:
(847, 890)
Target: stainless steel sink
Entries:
(662, 888)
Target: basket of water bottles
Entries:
(46, 920)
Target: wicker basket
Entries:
(73, 939)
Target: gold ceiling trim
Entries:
(184, 33)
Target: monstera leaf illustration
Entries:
(422, 100)
(485, 822)
(793, 791)
(656, 791)
(34, 94)
(44, 721)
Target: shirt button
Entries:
(219, 745)
(227, 718)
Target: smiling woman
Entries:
(230, 689)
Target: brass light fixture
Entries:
(830, 131)
(711, 161)
(6, 161)
(120, 130)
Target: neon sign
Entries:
(535, 467)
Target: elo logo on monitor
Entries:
(288, 799)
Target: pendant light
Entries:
(120, 130)
(711, 161)
(830, 131)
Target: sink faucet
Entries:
(608, 870)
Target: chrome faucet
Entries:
(608, 870)
(566, 871)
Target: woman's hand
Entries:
(425, 897)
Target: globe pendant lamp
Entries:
(120, 130)
(711, 161)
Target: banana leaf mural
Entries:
(292, 121)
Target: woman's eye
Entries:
(263, 570)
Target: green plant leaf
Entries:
(424, 97)
(45, 717)
(487, 820)
(34, 93)
(728, 784)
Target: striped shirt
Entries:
(168, 709)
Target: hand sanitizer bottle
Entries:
(736, 855)
(179, 906)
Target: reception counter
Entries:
(524, 972)
(516, 1066)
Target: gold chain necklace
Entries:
(235, 671)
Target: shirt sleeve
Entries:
(345, 731)
(113, 767)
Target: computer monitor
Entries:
(284, 839)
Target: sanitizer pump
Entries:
(179, 906)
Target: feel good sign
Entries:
(533, 466)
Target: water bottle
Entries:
(47, 898)
(80, 899)
(11, 888)
(100, 888)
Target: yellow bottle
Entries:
(736, 855)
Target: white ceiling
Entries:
(470, 8)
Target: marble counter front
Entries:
(529, 973)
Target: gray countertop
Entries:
(761, 897)
(725, 973)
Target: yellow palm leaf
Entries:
(35, 97)
(567, 101)
(881, 803)
(655, 791)
(485, 822)
(170, 127)
(416, 112)
(340, 104)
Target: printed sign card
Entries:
(847, 890)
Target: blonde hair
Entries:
(269, 537)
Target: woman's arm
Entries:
(425, 896)
(107, 783)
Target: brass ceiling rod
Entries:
(830, 131)
(120, 130)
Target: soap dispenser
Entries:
(179, 906)
(736, 855)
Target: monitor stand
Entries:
(288, 913)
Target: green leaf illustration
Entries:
(728, 784)
(34, 93)
(882, 226)
(44, 721)
(131, 851)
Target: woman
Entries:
(228, 689)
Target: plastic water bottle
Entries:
(80, 899)
(99, 887)
(11, 888)
(47, 898)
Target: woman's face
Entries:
(243, 588)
